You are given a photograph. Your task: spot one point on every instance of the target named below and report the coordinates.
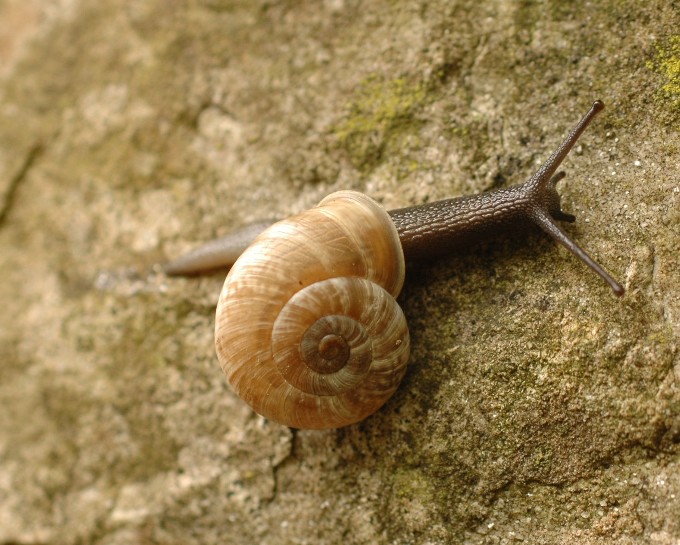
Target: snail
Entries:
(308, 330)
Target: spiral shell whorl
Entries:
(307, 328)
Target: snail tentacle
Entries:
(555, 231)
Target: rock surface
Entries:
(537, 407)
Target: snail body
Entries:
(291, 333)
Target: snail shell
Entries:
(308, 330)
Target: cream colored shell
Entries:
(307, 328)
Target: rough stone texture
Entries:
(537, 407)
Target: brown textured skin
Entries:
(433, 229)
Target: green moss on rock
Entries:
(666, 63)
(379, 117)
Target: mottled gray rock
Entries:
(537, 408)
